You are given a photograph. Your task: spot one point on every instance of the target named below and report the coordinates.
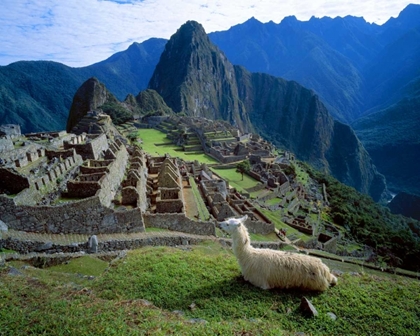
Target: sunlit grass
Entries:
(235, 179)
(155, 143)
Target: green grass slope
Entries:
(199, 291)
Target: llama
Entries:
(266, 268)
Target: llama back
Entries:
(267, 268)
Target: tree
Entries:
(243, 167)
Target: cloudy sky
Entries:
(82, 32)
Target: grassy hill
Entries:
(194, 291)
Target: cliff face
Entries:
(294, 118)
(195, 78)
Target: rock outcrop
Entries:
(91, 95)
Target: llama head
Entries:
(232, 225)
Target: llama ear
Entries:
(244, 218)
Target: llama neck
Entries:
(241, 242)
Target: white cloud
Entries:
(81, 32)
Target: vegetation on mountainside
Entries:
(395, 239)
(35, 96)
(149, 102)
(198, 291)
(117, 112)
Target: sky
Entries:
(82, 32)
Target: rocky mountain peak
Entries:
(194, 77)
(89, 96)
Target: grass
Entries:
(301, 175)
(152, 229)
(202, 283)
(273, 201)
(271, 237)
(86, 265)
(203, 213)
(155, 142)
(235, 179)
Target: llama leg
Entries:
(333, 281)
(265, 286)
(259, 283)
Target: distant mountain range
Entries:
(355, 67)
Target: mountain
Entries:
(128, 71)
(354, 66)
(90, 96)
(38, 95)
(406, 204)
(305, 52)
(195, 78)
(391, 70)
(151, 103)
(392, 138)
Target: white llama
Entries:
(266, 268)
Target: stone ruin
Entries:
(164, 185)
(90, 181)
(224, 203)
(216, 138)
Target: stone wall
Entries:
(102, 184)
(111, 181)
(10, 130)
(169, 205)
(87, 216)
(259, 227)
(225, 159)
(256, 244)
(12, 181)
(6, 145)
(64, 154)
(46, 249)
(40, 185)
(82, 189)
(92, 149)
(179, 222)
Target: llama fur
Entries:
(266, 268)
